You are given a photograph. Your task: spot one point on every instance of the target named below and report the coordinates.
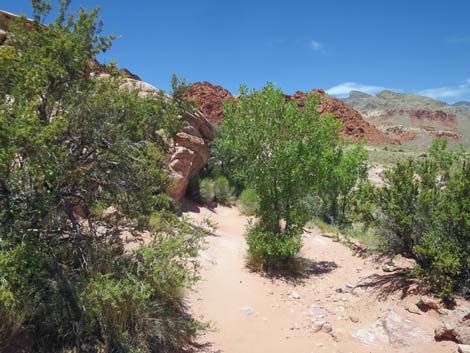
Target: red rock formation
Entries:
(210, 99)
(190, 152)
(354, 126)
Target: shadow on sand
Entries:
(296, 270)
(391, 283)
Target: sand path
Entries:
(251, 313)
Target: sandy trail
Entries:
(251, 313)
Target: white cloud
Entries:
(343, 89)
(461, 91)
(317, 46)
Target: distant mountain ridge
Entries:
(412, 118)
(462, 105)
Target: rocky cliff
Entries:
(412, 118)
(354, 126)
(190, 151)
(210, 99)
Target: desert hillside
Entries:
(414, 120)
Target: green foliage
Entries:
(425, 214)
(139, 306)
(278, 149)
(218, 190)
(224, 193)
(207, 191)
(398, 201)
(363, 203)
(71, 146)
(345, 167)
(249, 202)
(267, 249)
(286, 153)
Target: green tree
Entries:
(72, 145)
(347, 166)
(279, 150)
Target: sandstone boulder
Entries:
(190, 151)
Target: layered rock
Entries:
(190, 151)
(410, 117)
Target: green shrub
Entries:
(249, 202)
(347, 166)
(223, 191)
(207, 191)
(11, 315)
(97, 209)
(425, 214)
(267, 249)
(398, 205)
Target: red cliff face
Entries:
(210, 99)
(354, 126)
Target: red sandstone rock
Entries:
(210, 99)
(354, 126)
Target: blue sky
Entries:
(413, 46)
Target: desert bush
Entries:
(398, 201)
(207, 191)
(139, 307)
(424, 213)
(249, 202)
(224, 193)
(270, 250)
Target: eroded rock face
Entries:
(421, 118)
(190, 151)
(210, 99)
(455, 327)
(354, 126)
